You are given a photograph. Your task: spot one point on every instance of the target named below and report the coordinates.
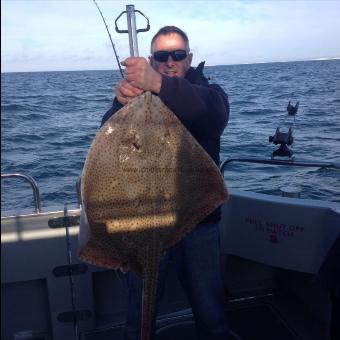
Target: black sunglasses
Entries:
(176, 55)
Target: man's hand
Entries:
(139, 73)
(125, 92)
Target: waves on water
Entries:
(50, 118)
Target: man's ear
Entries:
(190, 58)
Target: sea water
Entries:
(49, 120)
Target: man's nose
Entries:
(170, 61)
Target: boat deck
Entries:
(265, 301)
(271, 317)
(273, 304)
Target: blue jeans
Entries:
(197, 262)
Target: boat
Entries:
(271, 250)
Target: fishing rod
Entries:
(113, 46)
(71, 279)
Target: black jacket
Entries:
(202, 108)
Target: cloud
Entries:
(48, 35)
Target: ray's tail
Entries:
(150, 279)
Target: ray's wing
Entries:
(146, 183)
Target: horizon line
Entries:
(235, 64)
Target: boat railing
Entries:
(290, 162)
(250, 160)
(223, 165)
(33, 184)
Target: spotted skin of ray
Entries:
(146, 183)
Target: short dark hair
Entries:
(168, 30)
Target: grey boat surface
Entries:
(271, 250)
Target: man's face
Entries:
(171, 68)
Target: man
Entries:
(203, 109)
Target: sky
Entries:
(68, 35)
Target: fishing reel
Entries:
(284, 139)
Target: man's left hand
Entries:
(139, 73)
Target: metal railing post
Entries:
(34, 186)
